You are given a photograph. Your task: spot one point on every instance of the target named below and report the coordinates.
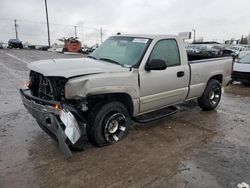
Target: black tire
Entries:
(64, 50)
(108, 123)
(211, 96)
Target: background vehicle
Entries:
(1, 45)
(207, 50)
(244, 51)
(240, 50)
(241, 70)
(236, 49)
(71, 45)
(15, 43)
(89, 50)
(127, 77)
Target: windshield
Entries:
(245, 59)
(121, 50)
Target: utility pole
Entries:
(194, 30)
(75, 31)
(101, 33)
(47, 18)
(82, 34)
(16, 29)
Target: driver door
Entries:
(160, 88)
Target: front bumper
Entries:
(241, 76)
(47, 116)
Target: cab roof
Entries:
(147, 36)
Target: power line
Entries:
(24, 34)
(88, 33)
(36, 22)
(51, 23)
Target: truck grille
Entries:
(48, 88)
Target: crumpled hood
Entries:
(73, 67)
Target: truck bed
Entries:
(194, 57)
(210, 59)
(202, 70)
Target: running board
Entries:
(155, 115)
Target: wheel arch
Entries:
(218, 77)
(124, 98)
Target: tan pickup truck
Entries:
(127, 77)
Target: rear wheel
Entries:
(108, 123)
(211, 96)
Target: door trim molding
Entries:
(162, 95)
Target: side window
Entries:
(168, 51)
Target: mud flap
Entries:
(61, 137)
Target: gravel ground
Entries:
(192, 148)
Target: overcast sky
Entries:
(212, 19)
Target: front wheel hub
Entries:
(115, 127)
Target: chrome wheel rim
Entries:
(214, 95)
(115, 127)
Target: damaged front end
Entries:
(61, 119)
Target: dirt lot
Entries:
(192, 148)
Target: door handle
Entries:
(180, 74)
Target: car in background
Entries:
(241, 70)
(44, 48)
(236, 49)
(240, 50)
(15, 43)
(1, 45)
(207, 50)
(88, 50)
(245, 51)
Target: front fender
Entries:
(123, 82)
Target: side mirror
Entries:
(156, 64)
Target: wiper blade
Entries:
(91, 57)
(111, 61)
